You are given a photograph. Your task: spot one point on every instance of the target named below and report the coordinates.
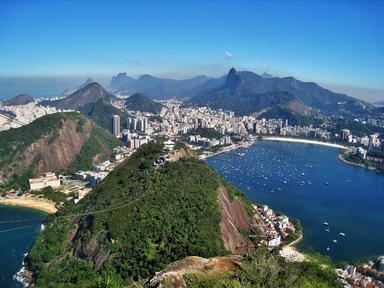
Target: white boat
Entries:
(334, 241)
(342, 234)
(328, 248)
(327, 229)
(326, 223)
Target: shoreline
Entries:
(306, 141)
(291, 253)
(271, 138)
(342, 158)
(31, 202)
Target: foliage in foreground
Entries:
(266, 270)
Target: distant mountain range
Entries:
(242, 96)
(256, 91)
(156, 88)
(69, 91)
(90, 93)
(246, 92)
(21, 99)
(140, 102)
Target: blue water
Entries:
(352, 202)
(15, 240)
(41, 87)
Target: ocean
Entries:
(309, 182)
(15, 240)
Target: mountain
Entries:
(90, 93)
(153, 87)
(142, 218)
(246, 87)
(167, 213)
(69, 91)
(240, 94)
(140, 102)
(266, 75)
(55, 142)
(101, 112)
(21, 99)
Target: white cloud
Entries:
(228, 54)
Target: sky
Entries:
(338, 44)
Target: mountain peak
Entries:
(233, 78)
(21, 99)
(267, 75)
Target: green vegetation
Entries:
(356, 128)
(281, 112)
(140, 102)
(14, 144)
(351, 157)
(266, 270)
(298, 230)
(15, 141)
(51, 194)
(99, 138)
(101, 113)
(171, 212)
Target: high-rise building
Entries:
(134, 124)
(344, 134)
(115, 121)
(145, 124)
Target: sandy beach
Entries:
(31, 202)
(305, 141)
(290, 253)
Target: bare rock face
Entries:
(235, 217)
(56, 152)
(175, 272)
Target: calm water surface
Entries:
(310, 183)
(15, 240)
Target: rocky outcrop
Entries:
(21, 99)
(57, 151)
(175, 272)
(234, 219)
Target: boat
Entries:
(326, 183)
(334, 241)
(326, 223)
(342, 234)
(327, 229)
(328, 248)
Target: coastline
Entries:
(271, 138)
(306, 141)
(342, 158)
(291, 253)
(31, 202)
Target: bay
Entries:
(309, 182)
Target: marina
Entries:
(340, 206)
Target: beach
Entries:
(290, 252)
(305, 141)
(31, 202)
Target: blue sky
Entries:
(336, 43)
